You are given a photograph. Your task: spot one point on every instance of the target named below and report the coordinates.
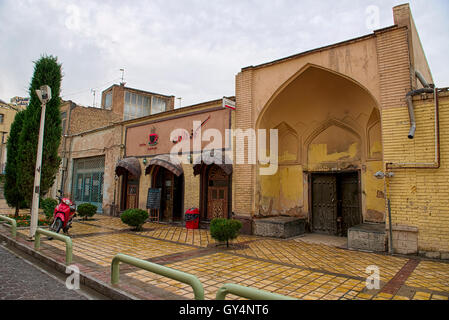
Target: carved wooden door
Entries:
(168, 195)
(218, 183)
(131, 196)
(324, 203)
(349, 201)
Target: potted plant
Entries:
(224, 230)
(86, 210)
(134, 218)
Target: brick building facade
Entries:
(343, 114)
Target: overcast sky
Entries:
(189, 49)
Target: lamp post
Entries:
(385, 175)
(44, 95)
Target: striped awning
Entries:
(216, 157)
(128, 165)
(167, 163)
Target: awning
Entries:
(128, 165)
(167, 163)
(218, 158)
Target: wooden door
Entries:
(131, 196)
(324, 204)
(168, 195)
(217, 199)
(350, 201)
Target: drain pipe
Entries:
(428, 88)
(437, 162)
(411, 112)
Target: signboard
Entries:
(228, 104)
(154, 198)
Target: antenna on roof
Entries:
(123, 74)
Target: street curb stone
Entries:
(97, 285)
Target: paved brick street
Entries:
(293, 267)
(20, 280)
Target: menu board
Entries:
(154, 198)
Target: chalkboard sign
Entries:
(154, 198)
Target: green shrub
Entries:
(86, 210)
(224, 229)
(134, 218)
(49, 206)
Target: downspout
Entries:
(428, 88)
(411, 165)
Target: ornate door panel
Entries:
(168, 195)
(217, 200)
(350, 203)
(131, 196)
(324, 204)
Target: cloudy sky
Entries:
(187, 48)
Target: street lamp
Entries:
(44, 95)
(385, 175)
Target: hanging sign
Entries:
(228, 104)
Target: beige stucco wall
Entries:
(107, 143)
(258, 87)
(325, 123)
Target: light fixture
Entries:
(381, 174)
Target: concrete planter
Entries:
(279, 227)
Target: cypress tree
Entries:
(47, 71)
(12, 191)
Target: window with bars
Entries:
(88, 176)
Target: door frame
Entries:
(124, 193)
(181, 190)
(335, 173)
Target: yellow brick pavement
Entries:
(289, 267)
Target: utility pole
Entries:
(44, 95)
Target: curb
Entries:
(87, 280)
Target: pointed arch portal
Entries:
(328, 175)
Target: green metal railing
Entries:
(180, 276)
(13, 224)
(249, 293)
(66, 239)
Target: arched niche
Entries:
(335, 146)
(374, 136)
(288, 145)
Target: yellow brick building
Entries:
(342, 115)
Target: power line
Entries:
(88, 89)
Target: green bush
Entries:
(49, 206)
(224, 229)
(134, 218)
(86, 210)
